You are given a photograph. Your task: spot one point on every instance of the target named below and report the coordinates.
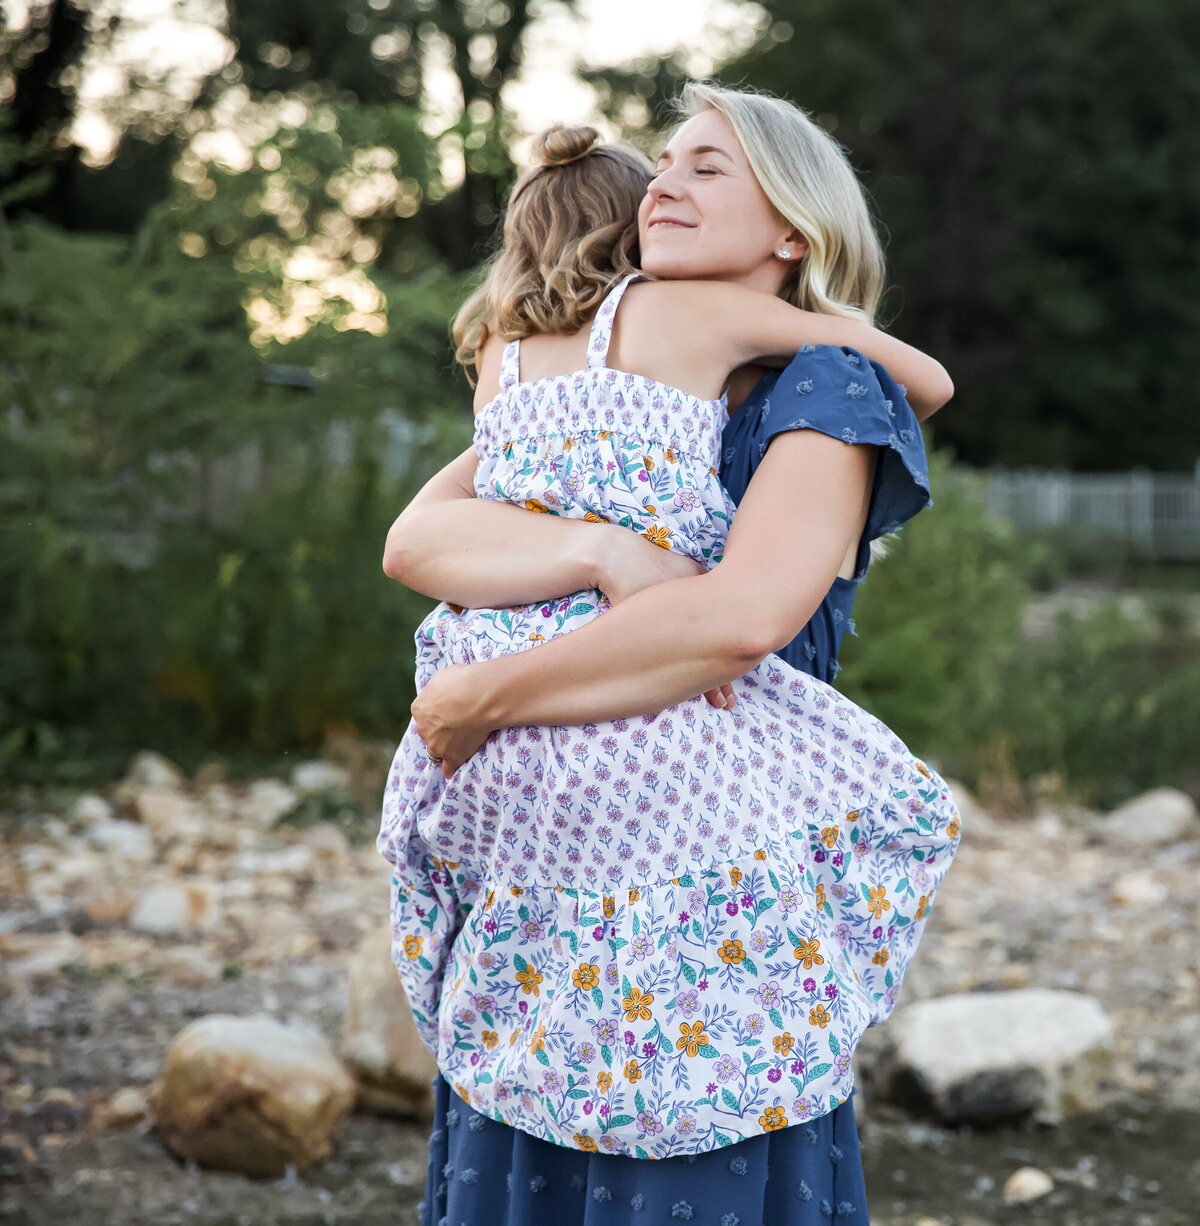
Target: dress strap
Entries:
(602, 325)
(510, 365)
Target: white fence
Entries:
(1155, 515)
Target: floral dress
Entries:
(661, 935)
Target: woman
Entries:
(712, 618)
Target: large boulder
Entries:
(251, 1094)
(990, 1057)
(379, 1038)
(1156, 818)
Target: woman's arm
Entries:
(482, 553)
(669, 642)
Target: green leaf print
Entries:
(834, 1045)
(639, 1102)
(819, 1071)
(523, 911)
(730, 1101)
(636, 925)
(755, 1069)
(519, 962)
(709, 1051)
(722, 1139)
(598, 998)
(542, 1058)
(776, 1019)
(619, 1121)
(625, 986)
(748, 964)
(688, 973)
(577, 1094)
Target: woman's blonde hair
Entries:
(808, 178)
(570, 233)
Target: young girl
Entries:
(723, 874)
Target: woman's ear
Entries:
(793, 247)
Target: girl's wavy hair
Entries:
(570, 233)
(808, 178)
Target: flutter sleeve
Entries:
(842, 393)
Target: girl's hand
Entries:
(447, 715)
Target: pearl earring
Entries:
(784, 253)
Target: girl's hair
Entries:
(570, 233)
(808, 178)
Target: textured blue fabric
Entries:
(842, 394)
(486, 1173)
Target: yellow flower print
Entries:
(537, 638)
(538, 1041)
(490, 1039)
(604, 1082)
(585, 1143)
(529, 979)
(924, 770)
(412, 946)
(587, 976)
(637, 1005)
(808, 953)
(923, 907)
(568, 443)
(456, 609)
(658, 535)
(760, 854)
(773, 1119)
(604, 434)
(649, 463)
(819, 1016)
(829, 836)
(853, 815)
(783, 1043)
(532, 504)
(609, 904)
(591, 517)
(877, 904)
(632, 1071)
(880, 957)
(735, 875)
(954, 827)
(692, 1038)
(516, 891)
(731, 953)
(670, 457)
(821, 897)
(634, 894)
(489, 899)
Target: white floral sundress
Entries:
(665, 934)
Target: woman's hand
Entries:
(448, 716)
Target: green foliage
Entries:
(1034, 166)
(1104, 705)
(146, 600)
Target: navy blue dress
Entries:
(486, 1173)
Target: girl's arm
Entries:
(481, 553)
(669, 642)
(725, 326)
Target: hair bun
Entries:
(558, 145)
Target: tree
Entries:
(1037, 173)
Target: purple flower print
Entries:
(797, 1067)
(789, 900)
(551, 1082)
(810, 985)
(530, 929)
(842, 935)
(831, 990)
(755, 1024)
(842, 1063)
(641, 947)
(768, 995)
(629, 1039)
(731, 908)
(802, 1108)
(489, 926)
(605, 1032)
(586, 1053)
(688, 1004)
(685, 1125)
(726, 1068)
(648, 1123)
(747, 901)
(711, 1088)
(774, 1074)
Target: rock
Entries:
(251, 1094)
(379, 1039)
(1027, 1184)
(1138, 890)
(988, 1057)
(106, 902)
(177, 909)
(1155, 818)
(30, 956)
(152, 770)
(189, 966)
(267, 800)
(125, 840)
(168, 814)
(310, 777)
(326, 840)
(124, 1109)
(90, 808)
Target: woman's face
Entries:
(704, 215)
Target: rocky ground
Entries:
(128, 915)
